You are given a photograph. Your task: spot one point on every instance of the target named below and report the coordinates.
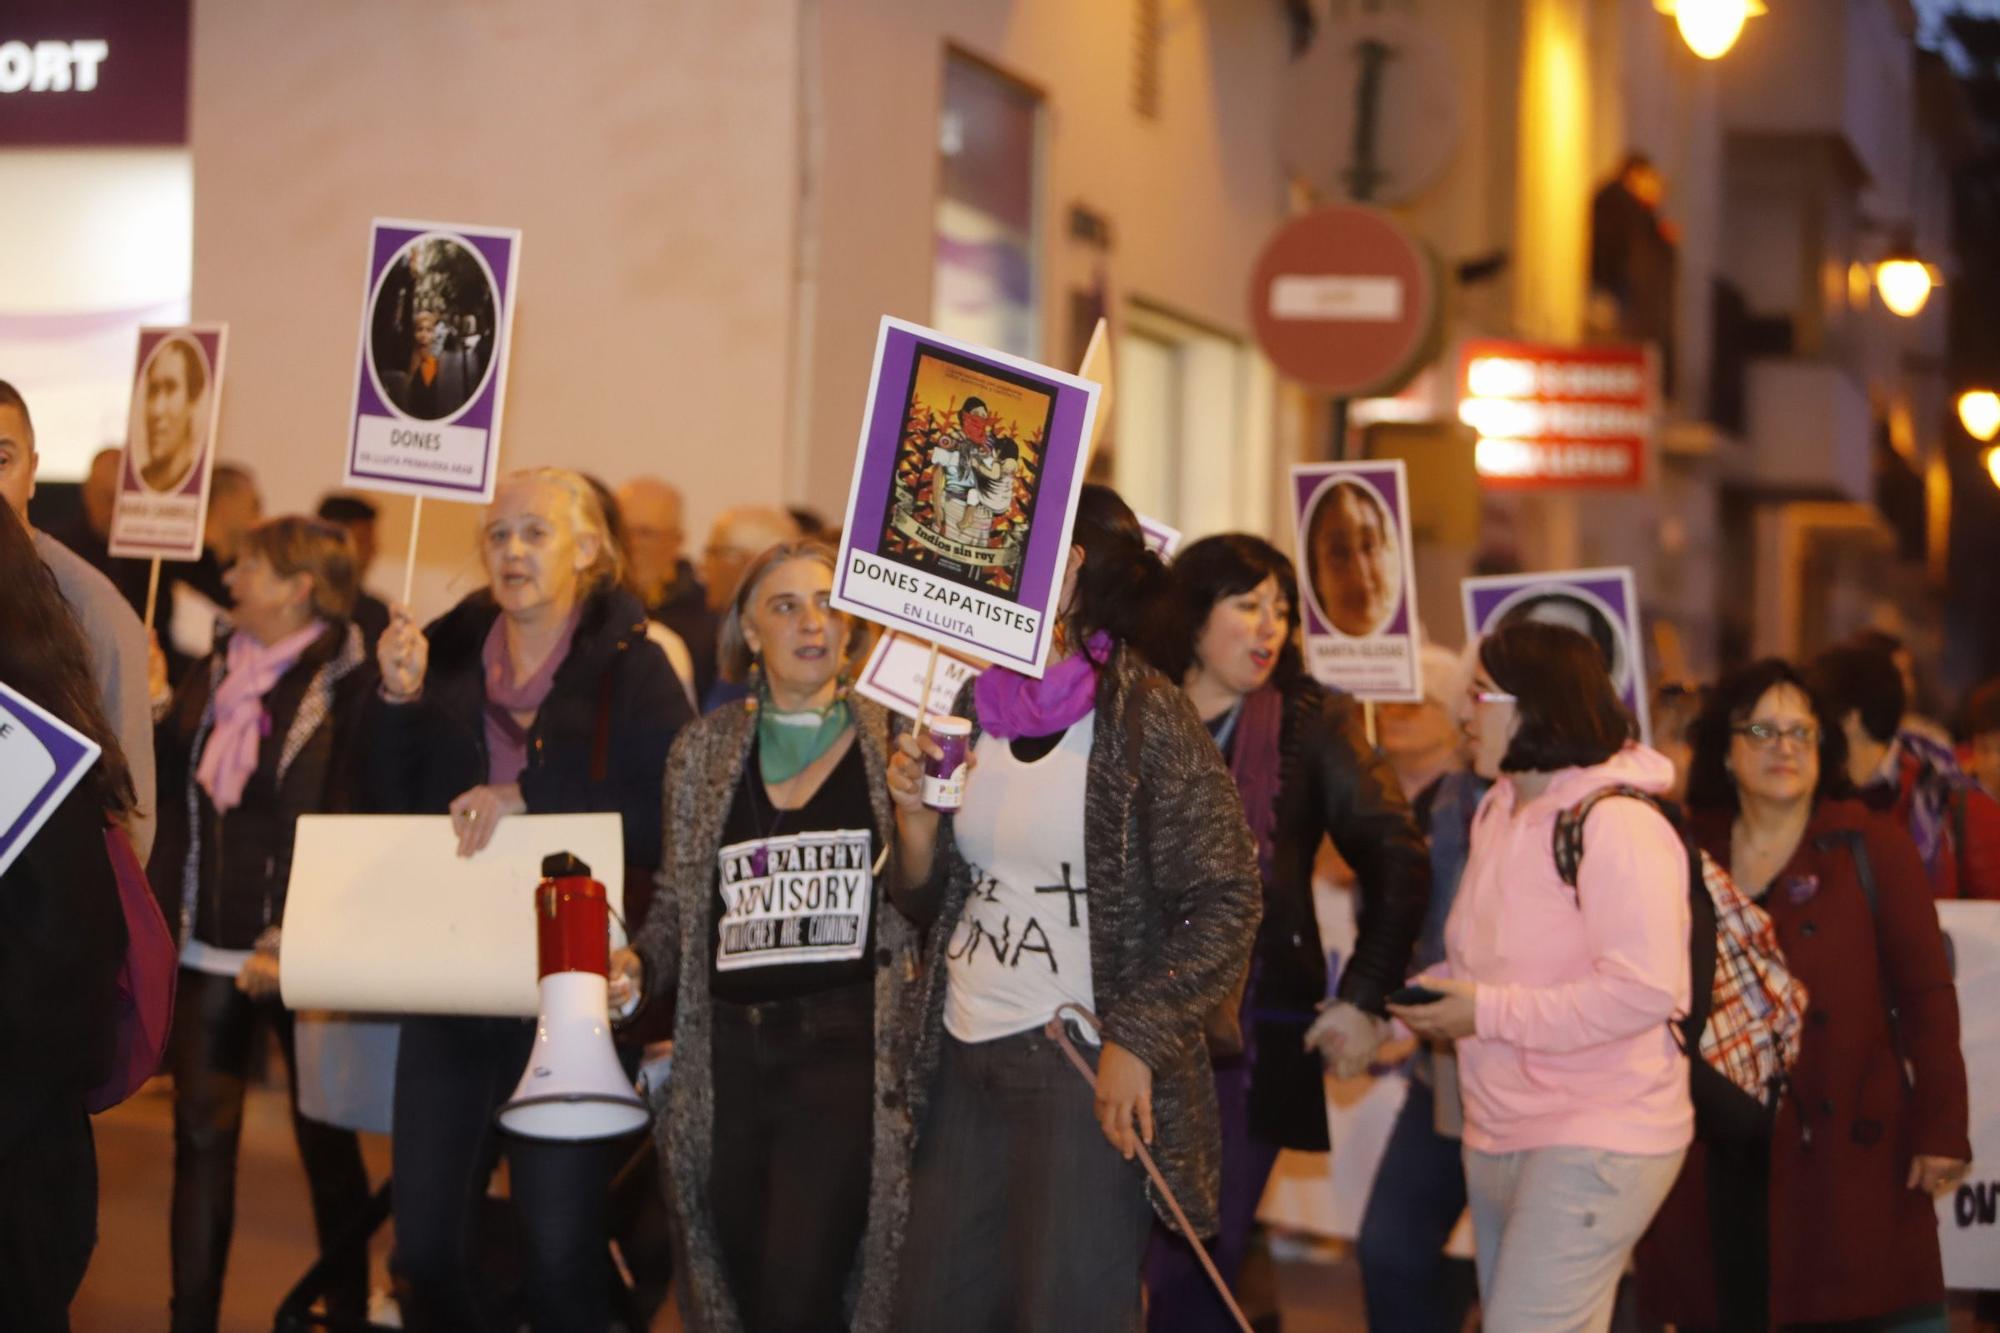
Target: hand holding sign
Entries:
(404, 655)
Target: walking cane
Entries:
(1056, 1033)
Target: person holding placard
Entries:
(1577, 1109)
(537, 694)
(261, 733)
(1304, 770)
(1828, 1216)
(1100, 859)
(62, 942)
(785, 1143)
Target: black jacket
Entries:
(1331, 783)
(232, 869)
(684, 610)
(62, 941)
(599, 742)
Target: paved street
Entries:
(127, 1289)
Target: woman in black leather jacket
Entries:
(259, 734)
(1304, 769)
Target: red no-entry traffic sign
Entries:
(1345, 299)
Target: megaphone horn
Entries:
(573, 1087)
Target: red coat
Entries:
(1849, 1240)
(1970, 864)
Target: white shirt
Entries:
(1022, 946)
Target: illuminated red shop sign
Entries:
(1551, 417)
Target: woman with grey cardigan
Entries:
(1100, 859)
(785, 1139)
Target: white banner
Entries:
(1969, 1217)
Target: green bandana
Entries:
(787, 743)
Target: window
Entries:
(985, 276)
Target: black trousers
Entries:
(48, 1218)
(794, 1088)
(1023, 1217)
(452, 1076)
(215, 1027)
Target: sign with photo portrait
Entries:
(162, 503)
(1356, 580)
(436, 323)
(965, 486)
(1599, 603)
(41, 760)
(895, 672)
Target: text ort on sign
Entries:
(1558, 416)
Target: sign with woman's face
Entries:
(161, 507)
(1599, 604)
(1360, 618)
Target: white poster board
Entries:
(893, 676)
(384, 916)
(1969, 1217)
(41, 761)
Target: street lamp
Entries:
(1904, 280)
(1979, 413)
(1993, 465)
(1710, 27)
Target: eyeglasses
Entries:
(1766, 736)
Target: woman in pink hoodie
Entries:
(1577, 1112)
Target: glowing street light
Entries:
(1993, 465)
(1979, 413)
(1904, 281)
(1711, 27)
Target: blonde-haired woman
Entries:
(259, 735)
(786, 1140)
(537, 694)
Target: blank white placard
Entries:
(383, 916)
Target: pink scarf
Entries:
(506, 738)
(241, 723)
(1012, 705)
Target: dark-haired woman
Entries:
(785, 1138)
(1100, 859)
(259, 735)
(1829, 1220)
(62, 940)
(1577, 1111)
(1303, 770)
(538, 694)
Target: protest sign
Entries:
(162, 503)
(894, 675)
(966, 479)
(1162, 540)
(41, 760)
(358, 940)
(1599, 603)
(1969, 1216)
(431, 373)
(1352, 527)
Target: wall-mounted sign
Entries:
(93, 73)
(1345, 300)
(1551, 417)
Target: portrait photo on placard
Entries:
(173, 411)
(432, 328)
(968, 472)
(1354, 562)
(1578, 609)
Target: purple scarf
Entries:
(506, 738)
(1012, 705)
(250, 670)
(1254, 765)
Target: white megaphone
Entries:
(573, 1087)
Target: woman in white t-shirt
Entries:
(1100, 859)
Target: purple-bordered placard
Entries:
(894, 675)
(1357, 578)
(1601, 603)
(41, 760)
(1162, 540)
(966, 479)
(162, 503)
(437, 322)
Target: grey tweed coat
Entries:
(1174, 901)
(703, 771)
